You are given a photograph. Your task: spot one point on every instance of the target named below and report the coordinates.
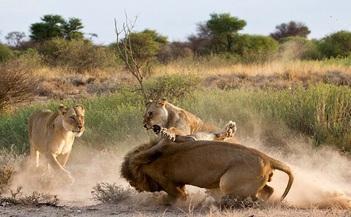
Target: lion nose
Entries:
(80, 127)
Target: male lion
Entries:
(52, 134)
(235, 170)
(174, 121)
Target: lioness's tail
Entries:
(276, 164)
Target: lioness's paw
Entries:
(165, 133)
(230, 129)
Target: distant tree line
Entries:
(57, 41)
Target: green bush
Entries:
(171, 87)
(292, 48)
(336, 45)
(77, 55)
(174, 51)
(30, 58)
(255, 48)
(5, 53)
(145, 45)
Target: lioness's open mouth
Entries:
(156, 129)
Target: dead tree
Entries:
(125, 51)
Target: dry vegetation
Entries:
(16, 84)
(61, 83)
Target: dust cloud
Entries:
(87, 165)
(322, 175)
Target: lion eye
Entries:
(72, 118)
(150, 114)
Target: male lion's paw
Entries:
(165, 133)
(230, 129)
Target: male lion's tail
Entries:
(276, 164)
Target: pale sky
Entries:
(177, 19)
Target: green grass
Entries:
(344, 61)
(322, 112)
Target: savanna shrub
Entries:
(16, 84)
(5, 53)
(30, 59)
(336, 45)
(144, 45)
(174, 51)
(77, 55)
(255, 48)
(171, 87)
(292, 48)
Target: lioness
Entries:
(235, 170)
(52, 135)
(174, 121)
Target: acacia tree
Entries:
(223, 28)
(216, 34)
(290, 29)
(71, 29)
(15, 38)
(201, 42)
(138, 50)
(55, 26)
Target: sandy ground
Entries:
(128, 209)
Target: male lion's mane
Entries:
(131, 170)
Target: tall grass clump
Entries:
(322, 112)
(17, 84)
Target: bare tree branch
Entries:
(125, 51)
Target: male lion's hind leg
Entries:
(228, 131)
(265, 193)
(235, 183)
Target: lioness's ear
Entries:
(79, 110)
(62, 109)
(162, 102)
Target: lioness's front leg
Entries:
(171, 135)
(228, 131)
(54, 163)
(63, 158)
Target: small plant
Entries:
(6, 173)
(35, 199)
(110, 193)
